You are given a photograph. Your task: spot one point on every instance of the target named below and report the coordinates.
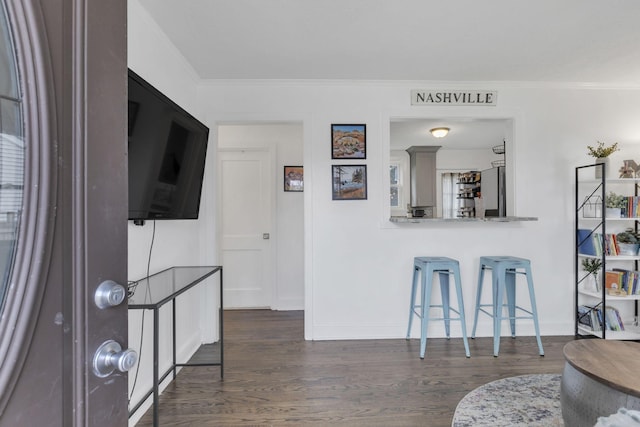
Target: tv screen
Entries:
(167, 149)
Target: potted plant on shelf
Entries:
(628, 242)
(593, 266)
(602, 153)
(615, 203)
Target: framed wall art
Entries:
(349, 182)
(293, 178)
(348, 141)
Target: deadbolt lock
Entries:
(109, 294)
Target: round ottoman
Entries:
(599, 378)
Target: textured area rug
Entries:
(526, 400)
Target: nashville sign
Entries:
(454, 97)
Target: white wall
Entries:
(176, 243)
(156, 60)
(358, 265)
(287, 141)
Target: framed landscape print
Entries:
(293, 178)
(349, 182)
(348, 141)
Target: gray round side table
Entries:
(599, 378)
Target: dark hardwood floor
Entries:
(273, 377)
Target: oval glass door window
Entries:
(11, 155)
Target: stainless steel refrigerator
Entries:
(494, 195)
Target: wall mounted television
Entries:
(167, 149)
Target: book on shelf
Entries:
(631, 210)
(593, 318)
(614, 248)
(605, 244)
(613, 319)
(596, 244)
(613, 279)
(586, 317)
(628, 281)
(610, 246)
(587, 242)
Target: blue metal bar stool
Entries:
(444, 267)
(503, 272)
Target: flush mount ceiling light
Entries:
(439, 132)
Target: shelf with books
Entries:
(629, 334)
(594, 320)
(613, 257)
(615, 266)
(591, 242)
(612, 219)
(598, 295)
(611, 181)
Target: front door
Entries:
(246, 183)
(63, 210)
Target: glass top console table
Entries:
(153, 292)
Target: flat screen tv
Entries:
(167, 148)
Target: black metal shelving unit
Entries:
(590, 208)
(468, 189)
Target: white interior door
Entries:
(246, 193)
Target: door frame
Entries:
(99, 199)
(306, 120)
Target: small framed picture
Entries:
(348, 141)
(293, 178)
(349, 182)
